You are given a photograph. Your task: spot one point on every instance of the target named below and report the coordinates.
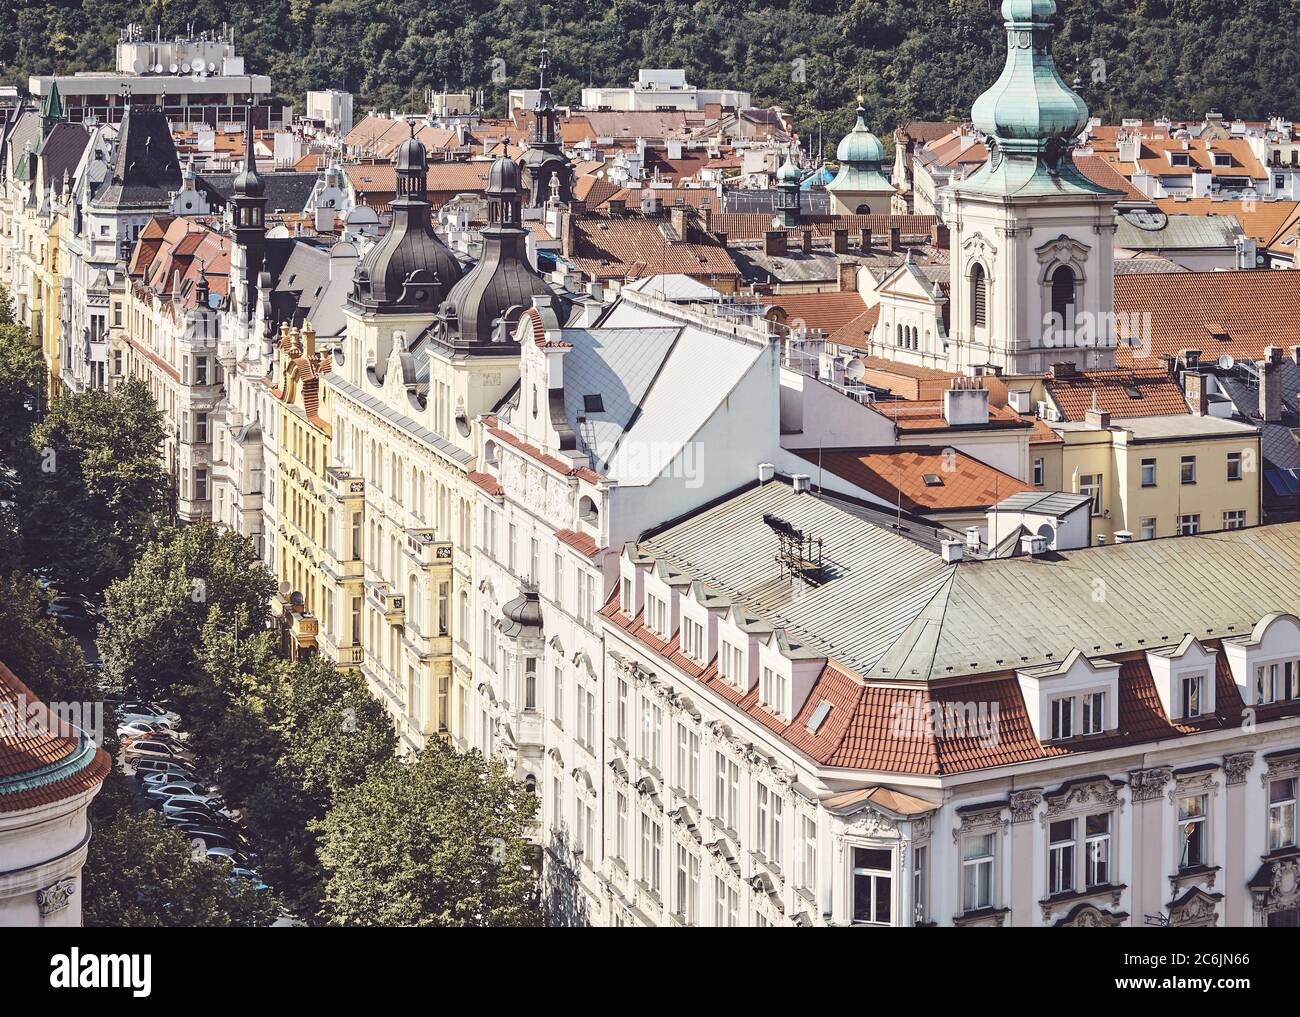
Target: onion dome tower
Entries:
(788, 179)
(1033, 275)
(545, 159)
(410, 270)
(481, 309)
(859, 188)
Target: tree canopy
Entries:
(910, 60)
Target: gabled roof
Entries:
(145, 169)
(1120, 393)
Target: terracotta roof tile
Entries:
(824, 312)
(1120, 393)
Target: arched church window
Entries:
(1063, 297)
(978, 297)
(864, 210)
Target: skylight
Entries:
(933, 480)
(593, 403)
(819, 715)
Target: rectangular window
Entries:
(808, 854)
(201, 428)
(1193, 849)
(1187, 470)
(656, 615)
(1234, 520)
(557, 695)
(1281, 814)
(1090, 487)
(1063, 717)
(977, 872)
(557, 580)
(1234, 465)
(1039, 472)
(1097, 849)
(621, 709)
(625, 597)
(1191, 687)
(731, 664)
(1148, 473)
(200, 485)
(584, 719)
(920, 885)
(873, 879)
(201, 370)
(512, 549)
(726, 907)
(1060, 857)
(1189, 525)
(693, 640)
(773, 690)
(1094, 713)
(761, 821)
(620, 828)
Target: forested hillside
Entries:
(911, 58)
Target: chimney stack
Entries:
(807, 242)
(966, 403)
(840, 241)
(1196, 393)
(865, 239)
(1098, 420)
(939, 236)
(308, 341)
(895, 238)
(774, 243)
(848, 277)
(1270, 385)
(951, 550)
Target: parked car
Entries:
(140, 710)
(73, 611)
(238, 873)
(197, 817)
(172, 789)
(147, 767)
(156, 749)
(137, 728)
(210, 837)
(152, 780)
(179, 803)
(232, 856)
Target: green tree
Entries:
(92, 492)
(22, 377)
(155, 616)
(140, 874)
(436, 841)
(35, 647)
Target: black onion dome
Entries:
(503, 178)
(410, 270)
(523, 615)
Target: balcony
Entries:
(427, 551)
(342, 484)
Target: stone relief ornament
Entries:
(1024, 804)
(871, 823)
(1148, 784)
(1237, 766)
(1285, 891)
(56, 896)
(1100, 792)
(1192, 784)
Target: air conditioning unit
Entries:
(1019, 401)
(1047, 411)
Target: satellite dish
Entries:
(185, 68)
(138, 67)
(285, 587)
(157, 68)
(1226, 363)
(855, 370)
(211, 67)
(173, 68)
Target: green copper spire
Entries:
(1030, 108)
(51, 110)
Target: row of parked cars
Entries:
(154, 749)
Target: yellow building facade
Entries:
(1157, 476)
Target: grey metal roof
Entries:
(1050, 503)
(285, 192)
(795, 266)
(1016, 612)
(26, 130)
(145, 168)
(1179, 232)
(876, 581)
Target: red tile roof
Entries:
(580, 542)
(927, 415)
(824, 312)
(920, 479)
(633, 246)
(1260, 219)
(1188, 310)
(1157, 394)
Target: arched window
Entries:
(863, 210)
(898, 341)
(978, 297)
(1063, 297)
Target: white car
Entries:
(173, 788)
(152, 748)
(150, 712)
(136, 728)
(182, 803)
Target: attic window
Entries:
(1132, 391)
(932, 480)
(819, 716)
(593, 403)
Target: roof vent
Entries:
(951, 550)
(802, 483)
(973, 538)
(766, 471)
(1033, 544)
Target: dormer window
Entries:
(1222, 159)
(731, 664)
(1191, 695)
(1179, 159)
(1094, 713)
(693, 640)
(1062, 718)
(656, 615)
(626, 597)
(774, 690)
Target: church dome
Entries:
(789, 172)
(1030, 105)
(860, 145)
(503, 178)
(410, 155)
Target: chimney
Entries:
(1194, 389)
(802, 483)
(1123, 536)
(895, 238)
(774, 243)
(951, 550)
(840, 241)
(1101, 540)
(617, 206)
(973, 541)
(680, 223)
(848, 277)
(864, 239)
(1270, 385)
(766, 471)
(966, 403)
(807, 241)
(308, 340)
(1062, 371)
(1295, 355)
(1033, 544)
(1098, 420)
(1201, 180)
(939, 236)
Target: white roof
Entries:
(674, 286)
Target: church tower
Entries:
(787, 194)
(248, 214)
(545, 160)
(859, 188)
(1033, 238)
